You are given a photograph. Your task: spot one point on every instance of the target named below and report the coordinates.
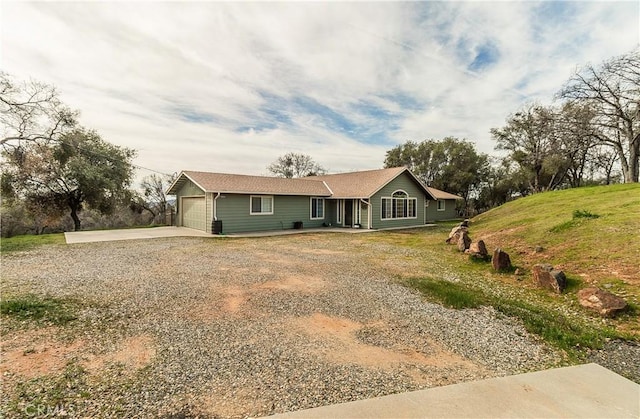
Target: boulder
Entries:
(478, 249)
(604, 302)
(464, 241)
(501, 260)
(546, 277)
(455, 234)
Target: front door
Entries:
(348, 213)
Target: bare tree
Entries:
(295, 165)
(613, 90)
(30, 112)
(154, 189)
(531, 137)
(576, 140)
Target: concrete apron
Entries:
(583, 391)
(90, 236)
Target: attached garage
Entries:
(193, 212)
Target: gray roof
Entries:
(245, 184)
(363, 184)
(438, 194)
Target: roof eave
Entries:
(178, 179)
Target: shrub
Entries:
(584, 214)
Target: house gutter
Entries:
(215, 207)
(369, 215)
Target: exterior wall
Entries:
(406, 183)
(188, 189)
(449, 212)
(209, 212)
(233, 210)
(331, 215)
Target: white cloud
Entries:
(231, 86)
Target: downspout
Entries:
(215, 207)
(369, 215)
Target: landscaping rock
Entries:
(501, 260)
(478, 249)
(455, 233)
(546, 277)
(604, 302)
(464, 241)
(538, 249)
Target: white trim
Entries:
(261, 197)
(444, 205)
(328, 188)
(311, 217)
(369, 212)
(408, 198)
(215, 207)
(400, 190)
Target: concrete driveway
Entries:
(582, 391)
(131, 234)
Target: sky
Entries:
(231, 86)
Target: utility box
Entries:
(216, 227)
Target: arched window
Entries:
(398, 206)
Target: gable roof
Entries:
(364, 184)
(245, 184)
(438, 194)
(352, 185)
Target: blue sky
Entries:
(229, 86)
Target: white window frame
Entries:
(311, 206)
(444, 205)
(261, 204)
(392, 203)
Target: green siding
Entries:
(188, 189)
(407, 184)
(233, 211)
(449, 212)
(331, 214)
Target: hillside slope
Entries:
(599, 245)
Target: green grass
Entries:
(40, 310)
(28, 242)
(587, 231)
(557, 319)
(449, 294)
(556, 329)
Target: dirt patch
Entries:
(325, 252)
(235, 300)
(231, 403)
(37, 352)
(134, 352)
(294, 283)
(340, 344)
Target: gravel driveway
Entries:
(185, 327)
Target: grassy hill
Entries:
(591, 233)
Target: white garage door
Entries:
(193, 213)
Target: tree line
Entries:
(52, 166)
(590, 136)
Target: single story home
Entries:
(373, 199)
(445, 206)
